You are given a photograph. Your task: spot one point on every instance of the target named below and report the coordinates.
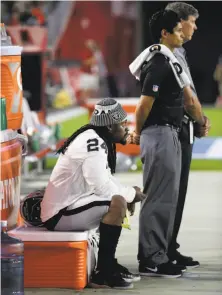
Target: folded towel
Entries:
(180, 75)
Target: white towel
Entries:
(135, 67)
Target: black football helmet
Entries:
(30, 208)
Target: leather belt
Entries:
(176, 128)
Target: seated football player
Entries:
(82, 193)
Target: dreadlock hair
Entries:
(104, 133)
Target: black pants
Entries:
(186, 153)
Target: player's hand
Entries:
(139, 195)
(131, 208)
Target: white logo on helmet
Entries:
(101, 112)
(115, 116)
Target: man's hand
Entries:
(131, 207)
(207, 125)
(136, 138)
(139, 195)
(201, 131)
(133, 138)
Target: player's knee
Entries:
(118, 206)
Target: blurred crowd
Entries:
(93, 80)
(28, 13)
(71, 81)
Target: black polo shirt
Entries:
(158, 80)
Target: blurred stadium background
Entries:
(75, 52)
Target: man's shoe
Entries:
(181, 267)
(112, 280)
(187, 261)
(166, 270)
(127, 275)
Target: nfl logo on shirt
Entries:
(155, 88)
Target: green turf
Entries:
(213, 165)
(215, 116)
(67, 128)
(70, 126)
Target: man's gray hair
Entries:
(183, 10)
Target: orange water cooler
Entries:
(51, 259)
(12, 143)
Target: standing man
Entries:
(159, 115)
(188, 16)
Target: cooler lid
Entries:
(40, 234)
(11, 50)
(7, 135)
